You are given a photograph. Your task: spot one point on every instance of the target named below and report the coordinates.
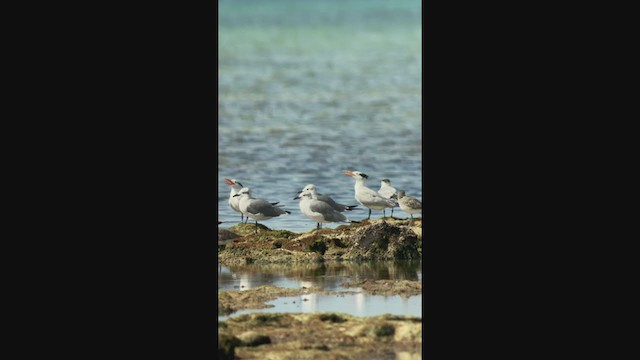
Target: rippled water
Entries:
(308, 89)
(329, 277)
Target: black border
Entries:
(120, 253)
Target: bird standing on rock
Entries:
(236, 186)
(337, 207)
(319, 211)
(388, 192)
(409, 204)
(233, 200)
(257, 209)
(367, 197)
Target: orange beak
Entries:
(347, 172)
(228, 181)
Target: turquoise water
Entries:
(310, 88)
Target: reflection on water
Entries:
(327, 276)
(353, 304)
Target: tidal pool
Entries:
(326, 277)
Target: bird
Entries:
(337, 207)
(236, 186)
(389, 192)
(257, 209)
(317, 210)
(409, 204)
(367, 197)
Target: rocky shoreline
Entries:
(380, 239)
(283, 336)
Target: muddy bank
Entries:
(404, 288)
(231, 301)
(380, 239)
(320, 336)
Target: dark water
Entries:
(329, 277)
(310, 88)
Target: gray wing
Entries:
(259, 206)
(327, 211)
(337, 207)
(413, 203)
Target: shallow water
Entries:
(308, 89)
(326, 276)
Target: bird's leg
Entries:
(256, 226)
(318, 226)
(384, 213)
(241, 218)
(369, 215)
(391, 212)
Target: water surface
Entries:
(330, 277)
(310, 88)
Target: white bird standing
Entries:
(236, 186)
(409, 204)
(319, 211)
(326, 198)
(257, 209)
(233, 200)
(387, 191)
(367, 197)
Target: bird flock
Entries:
(322, 208)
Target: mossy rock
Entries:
(318, 246)
(384, 330)
(252, 338)
(248, 228)
(275, 234)
(334, 318)
(226, 346)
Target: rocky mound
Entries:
(380, 239)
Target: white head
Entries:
(385, 182)
(310, 188)
(303, 195)
(244, 192)
(356, 174)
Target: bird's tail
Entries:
(275, 203)
(351, 207)
(288, 212)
